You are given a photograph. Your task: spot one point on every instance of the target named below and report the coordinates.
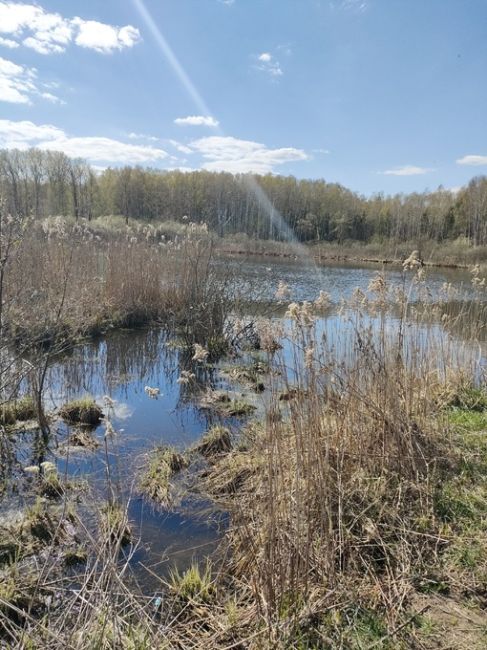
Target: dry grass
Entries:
(162, 465)
(65, 281)
(357, 508)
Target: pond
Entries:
(123, 363)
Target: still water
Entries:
(123, 363)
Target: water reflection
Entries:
(121, 364)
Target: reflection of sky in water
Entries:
(124, 362)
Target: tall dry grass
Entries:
(66, 280)
(333, 498)
(336, 505)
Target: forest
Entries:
(43, 183)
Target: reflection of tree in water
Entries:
(126, 361)
(122, 358)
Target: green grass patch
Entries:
(81, 411)
(195, 584)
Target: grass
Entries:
(114, 526)
(66, 281)
(356, 509)
(216, 441)
(225, 405)
(82, 411)
(163, 463)
(195, 584)
(17, 411)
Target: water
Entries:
(124, 362)
(305, 280)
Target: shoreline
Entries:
(320, 258)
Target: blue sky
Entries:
(379, 95)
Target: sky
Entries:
(378, 95)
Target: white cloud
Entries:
(241, 156)
(18, 84)
(142, 136)
(49, 33)
(182, 148)
(474, 160)
(54, 99)
(7, 42)
(268, 63)
(24, 134)
(408, 170)
(104, 38)
(197, 120)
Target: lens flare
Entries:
(276, 220)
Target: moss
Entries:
(81, 411)
(163, 464)
(215, 441)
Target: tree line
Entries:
(44, 183)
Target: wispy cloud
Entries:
(179, 146)
(197, 120)
(269, 64)
(25, 134)
(50, 33)
(242, 156)
(19, 84)
(358, 6)
(472, 159)
(408, 170)
(54, 99)
(142, 136)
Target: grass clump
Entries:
(216, 441)
(17, 411)
(83, 438)
(193, 585)
(81, 411)
(114, 525)
(163, 464)
(222, 403)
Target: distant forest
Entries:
(44, 183)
